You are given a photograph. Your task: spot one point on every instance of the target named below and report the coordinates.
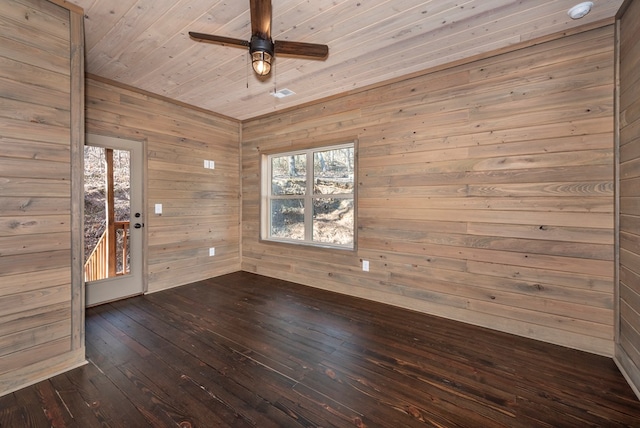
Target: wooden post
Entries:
(77, 177)
(111, 229)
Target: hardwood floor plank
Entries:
(11, 413)
(242, 350)
(55, 410)
(167, 383)
(213, 367)
(105, 399)
(157, 410)
(314, 409)
(12, 417)
(287, 345)
(489, 404)
(86, 413)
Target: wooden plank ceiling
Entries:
(145, 43)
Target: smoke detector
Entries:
(580, 10)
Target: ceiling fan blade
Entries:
(225, 41)
(261, 18)
(301, 50)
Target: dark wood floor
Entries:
(247, 351)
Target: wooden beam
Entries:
(110, 200)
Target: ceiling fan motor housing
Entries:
(259, 44)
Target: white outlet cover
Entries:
(212, 251)
(365, 265)
(158, 209)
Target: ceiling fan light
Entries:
(261, 51)
(261, 62)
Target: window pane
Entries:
(333, 221)
(121, 180)
(289, 175)
(287, 219)
(319, 179)
(96, 210)
(333, 171)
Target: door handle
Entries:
(138, 225)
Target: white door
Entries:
(123, 274)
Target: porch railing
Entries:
(97, 265)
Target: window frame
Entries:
(266, 196)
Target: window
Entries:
(308, 196)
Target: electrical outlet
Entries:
(212, 251)
(158, 209)
(365, 265)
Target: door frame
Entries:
(99, 140)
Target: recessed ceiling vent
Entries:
(283, 93)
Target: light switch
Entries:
(158, 209)
(212, 251)
(365, 265)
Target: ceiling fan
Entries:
(261, 47)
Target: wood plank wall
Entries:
(485, 192)
(38, 334)
(628, 340)
(201, 207)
